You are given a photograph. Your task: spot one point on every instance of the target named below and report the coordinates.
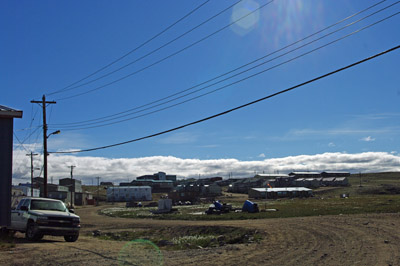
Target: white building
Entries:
(27, 191)
(129, 193)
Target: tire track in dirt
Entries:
(327, 240)
(294, 241)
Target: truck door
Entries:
(24, 214)
(16, 215)
(19, 215)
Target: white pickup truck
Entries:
(41, 216)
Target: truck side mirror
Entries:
(24, 208)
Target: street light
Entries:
(45, 158)
(54, 133)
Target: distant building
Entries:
(208, 180)
(342, 181)
(27, 191)
(131, 193)
(74, 185)
(335, 174)
(157, 176)
(270, 176)
(83, 198)
(211, 190)
(193, 192)
(107, 184)
(243, 185)
(38, 183)
(283, 181)
(226, 182)
(64, 196)
(282, 192)
(157, 186)
(62, 193)
(305, 174)
(176, 196)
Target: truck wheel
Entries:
(31, 232)
(71, 238)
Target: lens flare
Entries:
(248, 23)
(140, 252)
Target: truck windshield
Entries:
(47, 205)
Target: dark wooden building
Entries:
(7, 116)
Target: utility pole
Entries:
(31, 155)
(72, 169)
(44, 103)
(72, 185)
(98, 190)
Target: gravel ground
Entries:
(371, 239)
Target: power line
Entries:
(133, 50)
(233, 83)
(26, 138)
(155, 63)
(223, 87)
(238, 107)
(120, 114)
(30, 133)
(20, 143)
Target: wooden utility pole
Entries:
(72, 169)
(44, 103)
(31, 155)
(72, 185)
(98, 190)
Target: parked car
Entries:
(37, 217)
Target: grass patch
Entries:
(378, 193)
(188, 237)
(286, 208)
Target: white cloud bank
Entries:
(126, 169)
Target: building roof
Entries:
(152, 181)
(271, 175)
(8, 112)
(305, 173)
(328, 178)
(282, 189)
(336, 172)
(125, 187)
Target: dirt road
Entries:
(371, 239)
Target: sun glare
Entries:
(248, 23)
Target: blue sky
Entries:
(48, 45)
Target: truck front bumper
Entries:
(57, 231)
